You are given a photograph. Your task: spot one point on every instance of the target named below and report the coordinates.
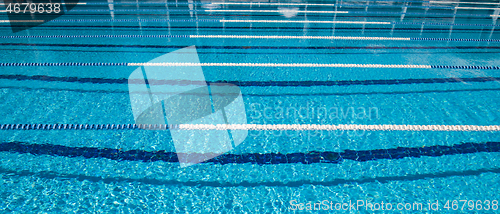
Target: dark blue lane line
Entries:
(358, 14)
(299, 29)
(254, 158)
(111, 21)
(259, 47)
(335, 182)
(261, 83)
(308, 94)
(354, 6)
(373, 93)
(256, 53)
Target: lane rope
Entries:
(273, 11)
(259, 37)
(311, 65)
(293, 127)
(167, 64)
(255, 21)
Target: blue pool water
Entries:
(46, 168)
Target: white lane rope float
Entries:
(300, 37)
(292, 127)
(312, 65)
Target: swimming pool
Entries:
(347, 103)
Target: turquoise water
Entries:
(87, 171)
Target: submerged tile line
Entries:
(200, 11)
(356, 22)
(251, 21)
(267, 3)
(225, 47)
(241, 52)
(253, 158)
(296, 183)
(308, 4)
(300, 29)
(210, 11)
(292, 127)
(276, 95)
(256, 83)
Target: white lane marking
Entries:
(273, 11)
(4, 21)
(79, 3)
(454, 2)
(299, 37)
(477, 8)
(299, 127)
(174, 64)
(291, 21)
(257, 3)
